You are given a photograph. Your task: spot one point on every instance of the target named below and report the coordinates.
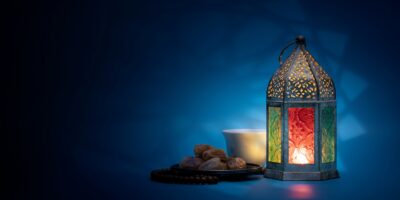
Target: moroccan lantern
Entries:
(301, 119)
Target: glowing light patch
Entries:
(352, 85)
(301, 191)
(350, 127)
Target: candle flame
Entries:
(299, 156)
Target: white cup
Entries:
(248, 144)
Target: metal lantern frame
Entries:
(281, 93)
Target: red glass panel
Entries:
(301, 135)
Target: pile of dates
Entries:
(207, 157)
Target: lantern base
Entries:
(301, 176)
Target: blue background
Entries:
(107, 91)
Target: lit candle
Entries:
(299, 156)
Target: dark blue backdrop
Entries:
(107, 91)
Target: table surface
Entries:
(124, 183)
(107, 176)
(257, 187)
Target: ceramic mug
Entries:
(248, 144)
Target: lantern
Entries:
(301, 119)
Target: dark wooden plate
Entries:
(251, 169)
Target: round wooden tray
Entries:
(251, 169)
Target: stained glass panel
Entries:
(301, 135)
(328, 134)
(274, 134)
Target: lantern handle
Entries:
(283, 50)
(300, 40)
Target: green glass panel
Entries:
(274, 134)
(328, 134)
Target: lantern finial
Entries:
(301, 40)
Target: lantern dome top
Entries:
(301, 78)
